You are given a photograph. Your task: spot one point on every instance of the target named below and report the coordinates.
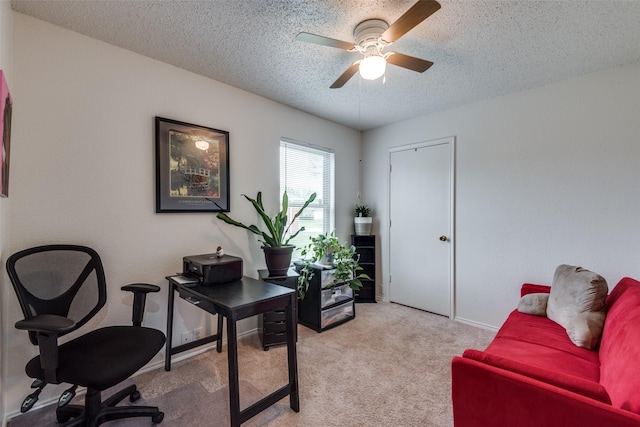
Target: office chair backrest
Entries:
(65, 280)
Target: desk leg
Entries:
(234, 386)
(294, 397)
(167, 351)
(219, 340)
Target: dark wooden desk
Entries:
(238, 300)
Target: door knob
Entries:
(443, 238)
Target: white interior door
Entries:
(420, 253)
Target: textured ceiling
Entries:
(481, 49)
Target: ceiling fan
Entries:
(371, 37)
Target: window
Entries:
(305, 169)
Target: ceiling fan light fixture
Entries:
(373, 67)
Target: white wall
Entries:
(83, 168)
(6, 65)
(544, 177)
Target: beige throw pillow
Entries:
(535, 304)
(577, 302)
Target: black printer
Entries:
(211, 269)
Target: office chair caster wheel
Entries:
(135, 396)
(62, 418)
(157, 419)
(29, 401)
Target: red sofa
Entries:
(532, 375)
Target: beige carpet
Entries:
(178, 406)
(388, 366)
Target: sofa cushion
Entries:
(577, 302)
(535, 304)
(543, 343)
(620, 346)
(591, 389)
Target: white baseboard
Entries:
(189, 354)
(476, 324)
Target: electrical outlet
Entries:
(186, 337)
(197, 334)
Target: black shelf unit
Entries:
(366, 248)
(325, 306)
(272, 325)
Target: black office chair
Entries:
(60, 288)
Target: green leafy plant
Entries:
(342, 257)
(321, 248)
(275, 233)
(362, 210)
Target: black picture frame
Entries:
(192, 167)
(6, 108)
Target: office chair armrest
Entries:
(140, 291)
(46, 324)
(141, 287)
(47, 328)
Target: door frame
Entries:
(451, 140)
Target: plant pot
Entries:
(278, 259)
(327, 259)
(362, 225)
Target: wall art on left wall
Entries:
(6, 104)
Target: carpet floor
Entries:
(391, 365)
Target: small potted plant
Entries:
(276, 247)
(362, 220)
(321, 248)
(326, 249)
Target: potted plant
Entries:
(321, 248)
(326, 249)
(276, 247)
(362, 220)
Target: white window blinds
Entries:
(305, 169)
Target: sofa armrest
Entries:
(488, 396)
(530, 288)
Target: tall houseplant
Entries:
(326, 249)
(277, 250)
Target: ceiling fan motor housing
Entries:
(367, 35)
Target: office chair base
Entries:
(29, 401)
(66, 396)
(96, 412)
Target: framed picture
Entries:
(6, 104)
(192, 167)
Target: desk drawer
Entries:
(336, 295)
(275, 316)
(197, 301)
(327, 277)
(273, 339)
(275, 327)
(336, 314)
